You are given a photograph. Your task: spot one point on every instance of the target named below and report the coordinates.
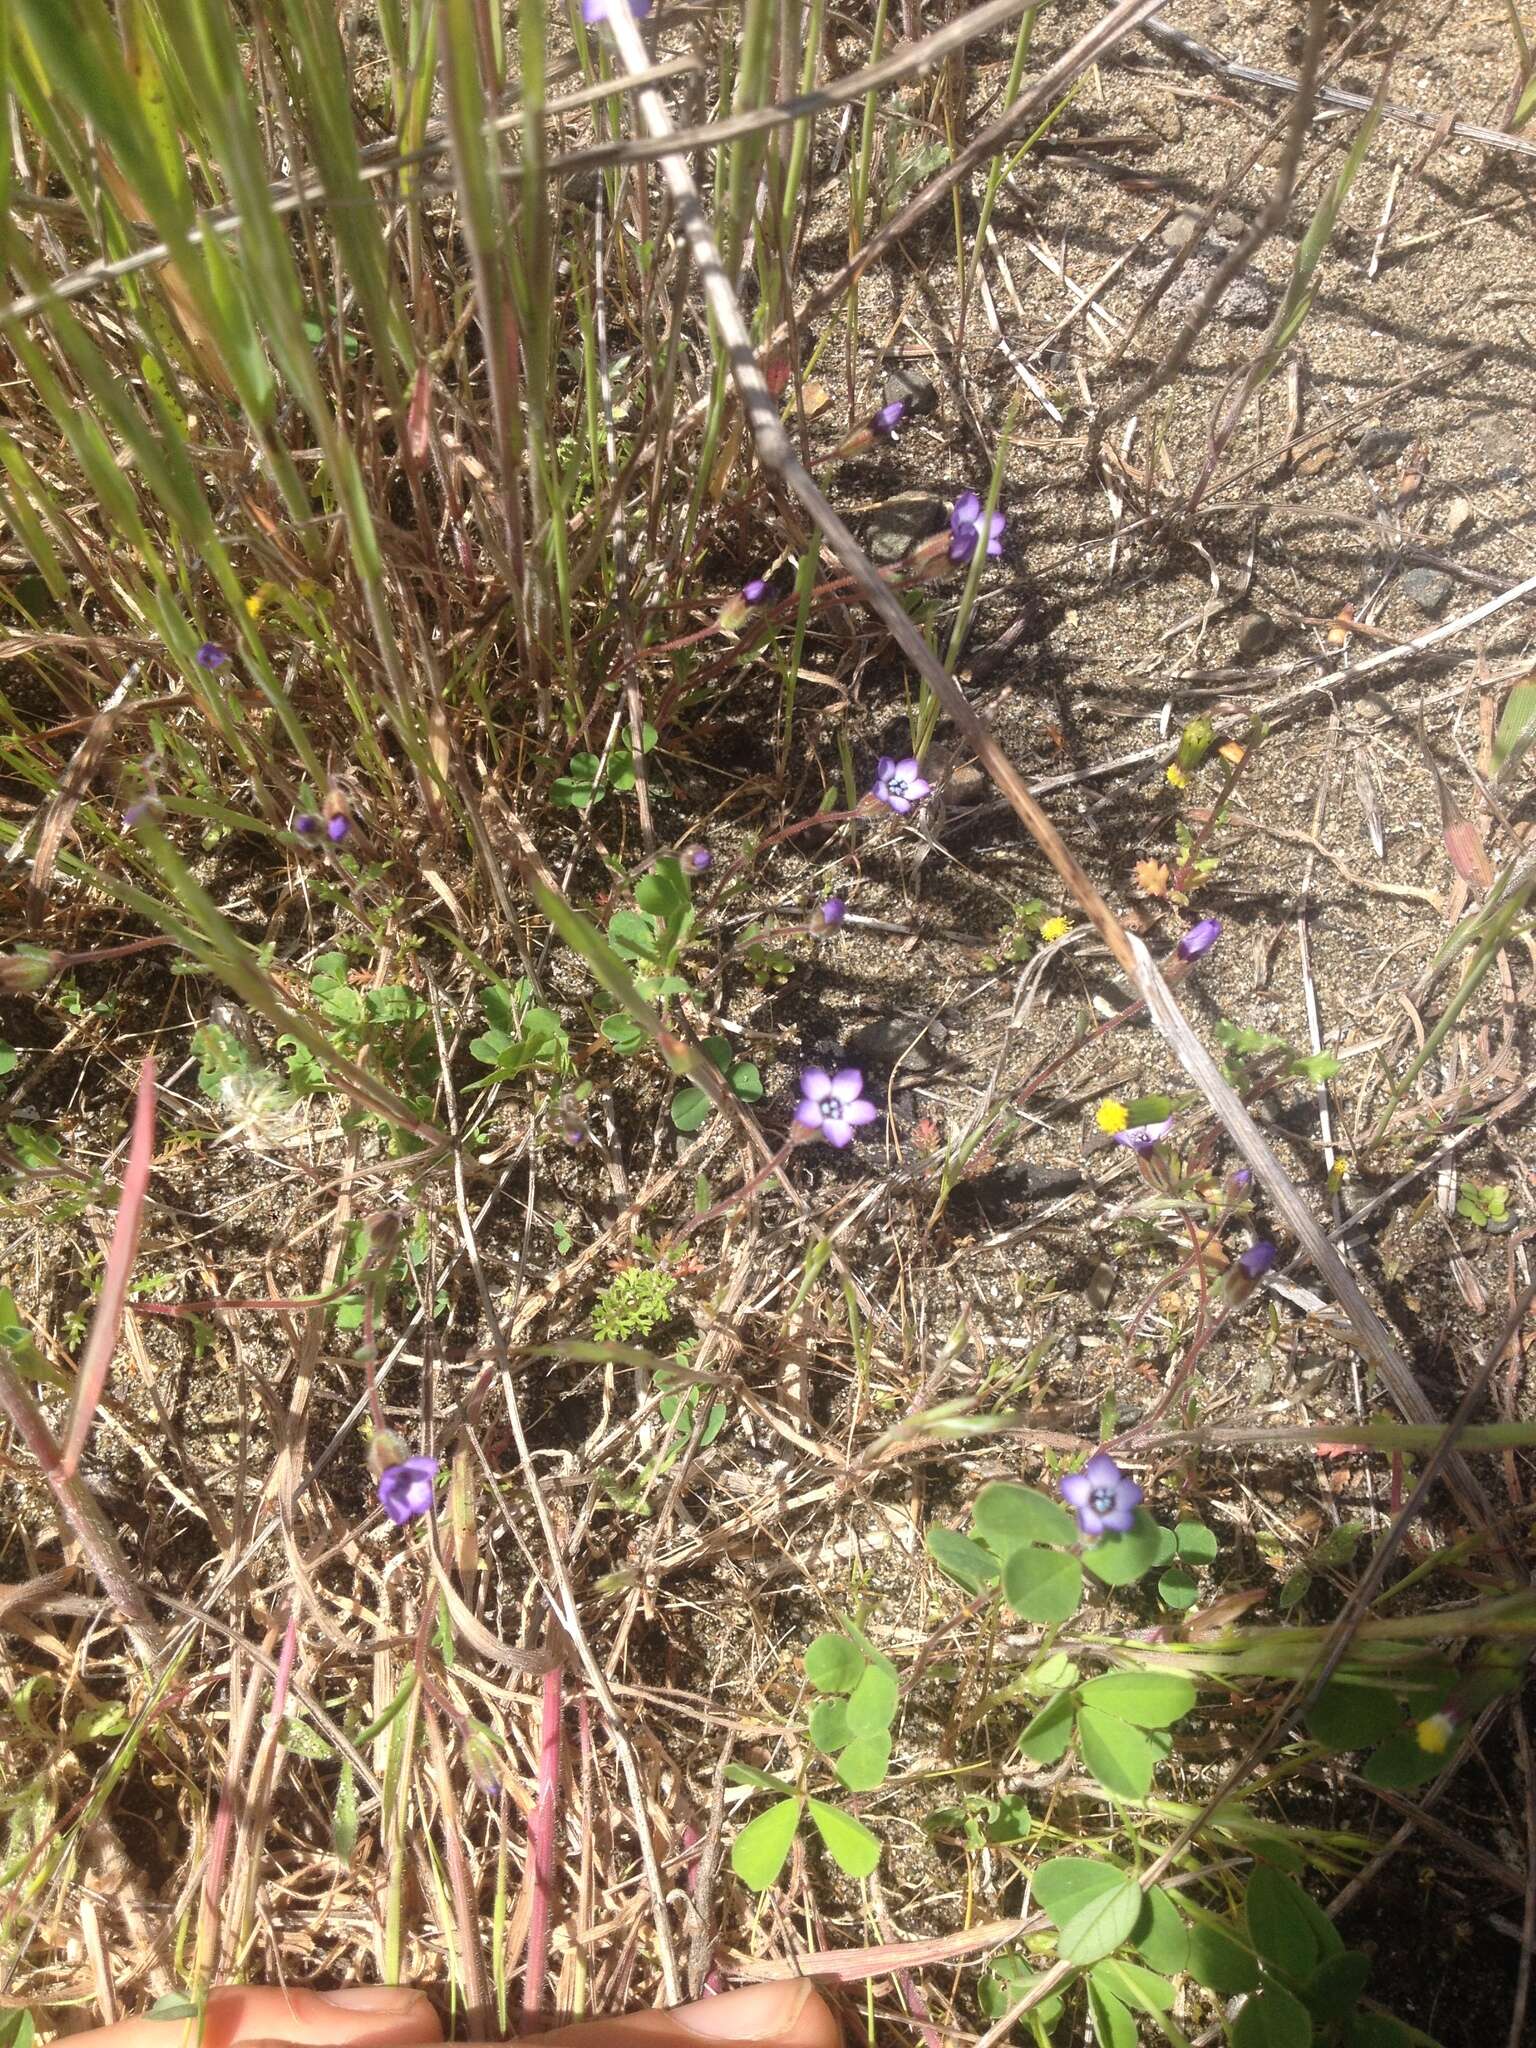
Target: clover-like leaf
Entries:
(1007, 1516)
(759, 1851)
(854, 1848)
(1121, 1560)
(1042, 1585)
(833, 1663)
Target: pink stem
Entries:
(541, 1843)
(106, 1325)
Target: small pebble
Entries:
(1458, 516)
(1378, 446)
(1183, 227)
(1428, 589)
(1255, 633)
(914, 390)
(896, 526)
(1373, 709)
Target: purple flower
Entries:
(757, 591)
(337, 828)
(965, 529)
(833, 1105)
(211, 655)
(900, 785)
(1142, 1138)
(1239, 1178)
(1199, 938)
(405, 1490)
(598, 10)
(1104, 1499)
(306, 824)
(889, 418)
(1258, 1259)
(697, 858)
(829, 915)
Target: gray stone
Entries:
(1458, 516)
(1428, 589)
(915, 390)
(1255, 634)
(902, 1041)
(1183, 227)
(1248, 300)
(895, 527)
(1378, 446)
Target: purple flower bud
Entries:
(1258, 1259)
(826, 917)
(405, 1490)
(889, 418)
(211, 655)
(1239, 1178)
(1143, 1138)
(136, 813)
(1104, 1499)
(306, 824)
(697, 858)
(757, 590)
(965, 529)
(337, 827)
(598, 10)
(1199, 938)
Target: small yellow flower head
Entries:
(1111, 1116)
(1055, 928)
(259, 599)
(1437, 1733)
(1176, 775)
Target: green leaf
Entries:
(1177, 1589)
(1400, 1765)
(690, 1109)
(1113, 2026)
(105, 1723)
(1335, 1986)
(1379, 2030)
(1345, 1716)
(872, 1703)
(303, 1740)
(1120, 1560)
(1278, 1923)
(170, 2005)
(1047, 1736)
(1150, 1699)
(1273, 2019)
(1007, 1516)
(758, 1852)
(344, 1814)
(1161, 1934)
(864, 1763)
(1219, 1961)
(1140, 1989)
(1042, 1585)
(663, 892)
(747, 1082)
(1195, 1542)
(833, 1663)
(633, 937)
(828, 1726)
(1103, 1924)
(746, 1774)
(1517, 724)
(1012, 1822)
(961, 1560)
(854, 1848)
(1067, 1885)
(624, 1034)
(1121, 1757)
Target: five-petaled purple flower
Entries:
(1258, 1259)
(833, 1105)
(211, 655)
(900, 785)
(965, 529)
(1104, 1499)
(889, 418)
(1143, 1137)
(598, 10)
(697, 858)
(1199, 938)
(405, 1490)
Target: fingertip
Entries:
(356, 2016)
(786, 2012)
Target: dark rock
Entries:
(1378, 446)
(914, 389)
(900, 1040)
(893, 529)
(1256, 633)
(967, 785)
(1428, 589)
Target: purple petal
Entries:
(1101, 1470)
(1258, 1259)
(918, 786)
(899, 804)
(755, 591)
(885, 768)
(815, 1081)
(1089, 1521)
(1119, 1519)
(1199, 938)
(860, 1113)
(1076, 1487)
(837, 1134)
(910, 770)
(1128, 1496)
(967, 511)
(809, 1114)
(848, 1084)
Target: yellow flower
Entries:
(1111, 1116)
(1055, 928)
(1177, 776)
(1435, 1734)
(259, 599)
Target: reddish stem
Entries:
(541, 1843)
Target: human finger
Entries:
(241, 2015)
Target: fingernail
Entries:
(385, 2000)
(761, 2012)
